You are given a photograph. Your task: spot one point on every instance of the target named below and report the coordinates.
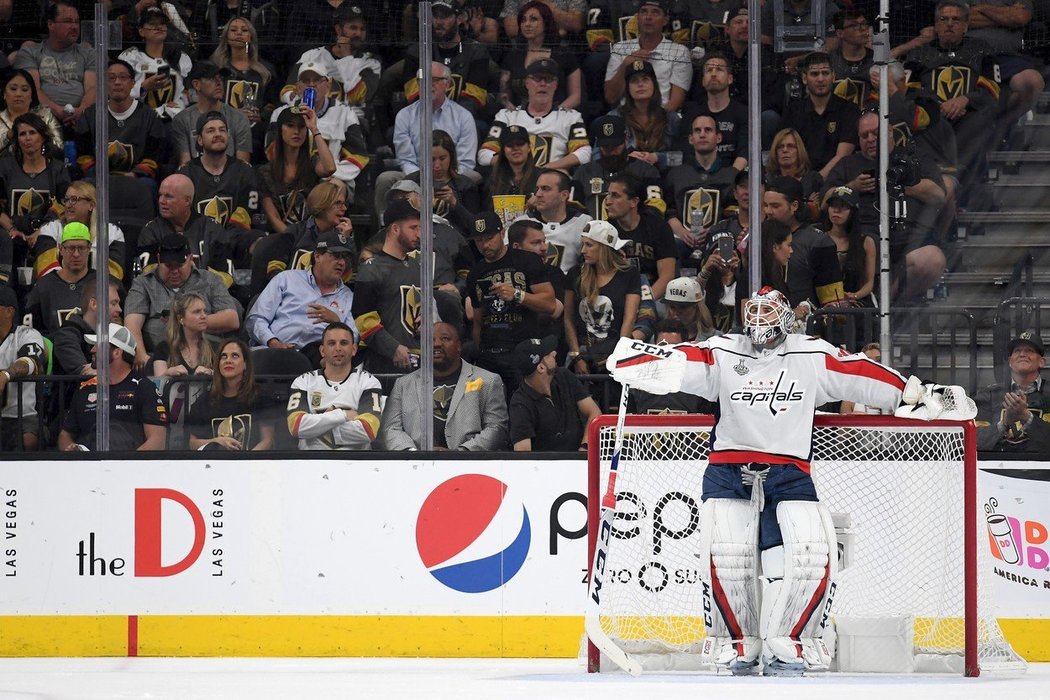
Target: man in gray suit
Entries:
(470, 409)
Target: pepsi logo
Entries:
(470, 536)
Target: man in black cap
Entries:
(21, 355)
(208, 83)
(507, 290)
(590, 181)
(551, 410)
(559, 136)
(152, 293)
(1016, 418)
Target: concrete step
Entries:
(1023, 224)
(1022, 192)
(1027, 162)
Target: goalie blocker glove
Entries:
(656, 369)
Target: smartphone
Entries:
(310, 97)
(163, 69)
(725, 248)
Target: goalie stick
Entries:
(592, 620)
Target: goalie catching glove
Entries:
(656, 369)
(925, 401)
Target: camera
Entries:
(904, 171)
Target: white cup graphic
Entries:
(1000, 529)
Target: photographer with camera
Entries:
(916, 197)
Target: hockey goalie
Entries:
(768, 553)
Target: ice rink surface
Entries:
(460, 679)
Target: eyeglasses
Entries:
(73, 199)
(75, 249)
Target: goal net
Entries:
(903, 496)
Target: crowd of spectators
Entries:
(589, 165)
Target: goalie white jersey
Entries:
(767, 400)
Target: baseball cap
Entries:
(486, 224)
(399, 210)
(442, 5)
(203, 69)
(291, 116)
(513, 134)
(405, 185)
(639, 66)
(738, 12)
(529, 352)
(8, 297)
(348, 14)
(331, 242)
(662, 4)
(603, 232)
(544, 65)
(153, 14)
(313, 67)
(1028, 337)
(174, 249)
(75, 231)
(846, 195)
(212, 116)
(683, 290)
(119, 337)
(609, 130)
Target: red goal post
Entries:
(904, 496)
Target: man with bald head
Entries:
(209, 243)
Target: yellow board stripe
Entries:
(480, 636)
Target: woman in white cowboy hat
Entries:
(602, 295)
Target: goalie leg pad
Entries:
(728, 550)
(799, 585)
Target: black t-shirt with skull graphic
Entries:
(601, 320)
(505, 323)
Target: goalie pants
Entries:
(783, 482)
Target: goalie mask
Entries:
(767, 318)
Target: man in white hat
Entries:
(138, 418)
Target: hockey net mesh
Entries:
(900, 487)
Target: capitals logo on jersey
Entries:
(950, 82)
(705, 203)
(778, 394)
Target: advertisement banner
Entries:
(314, 537)
(1015, 513)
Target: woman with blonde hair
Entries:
(602, 296)
(185, 351)
(325, 211)
(788, 156)
(232, 414)
(79, 204)
(248, 79)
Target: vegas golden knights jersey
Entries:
(610, 21)
(552, 136)
(231, 199)
(52, 301)
(702, 22)
(698, 196)
(137, 140)
(387, 308)
(969, 70)
(32, 197)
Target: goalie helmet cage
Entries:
(904, 497)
